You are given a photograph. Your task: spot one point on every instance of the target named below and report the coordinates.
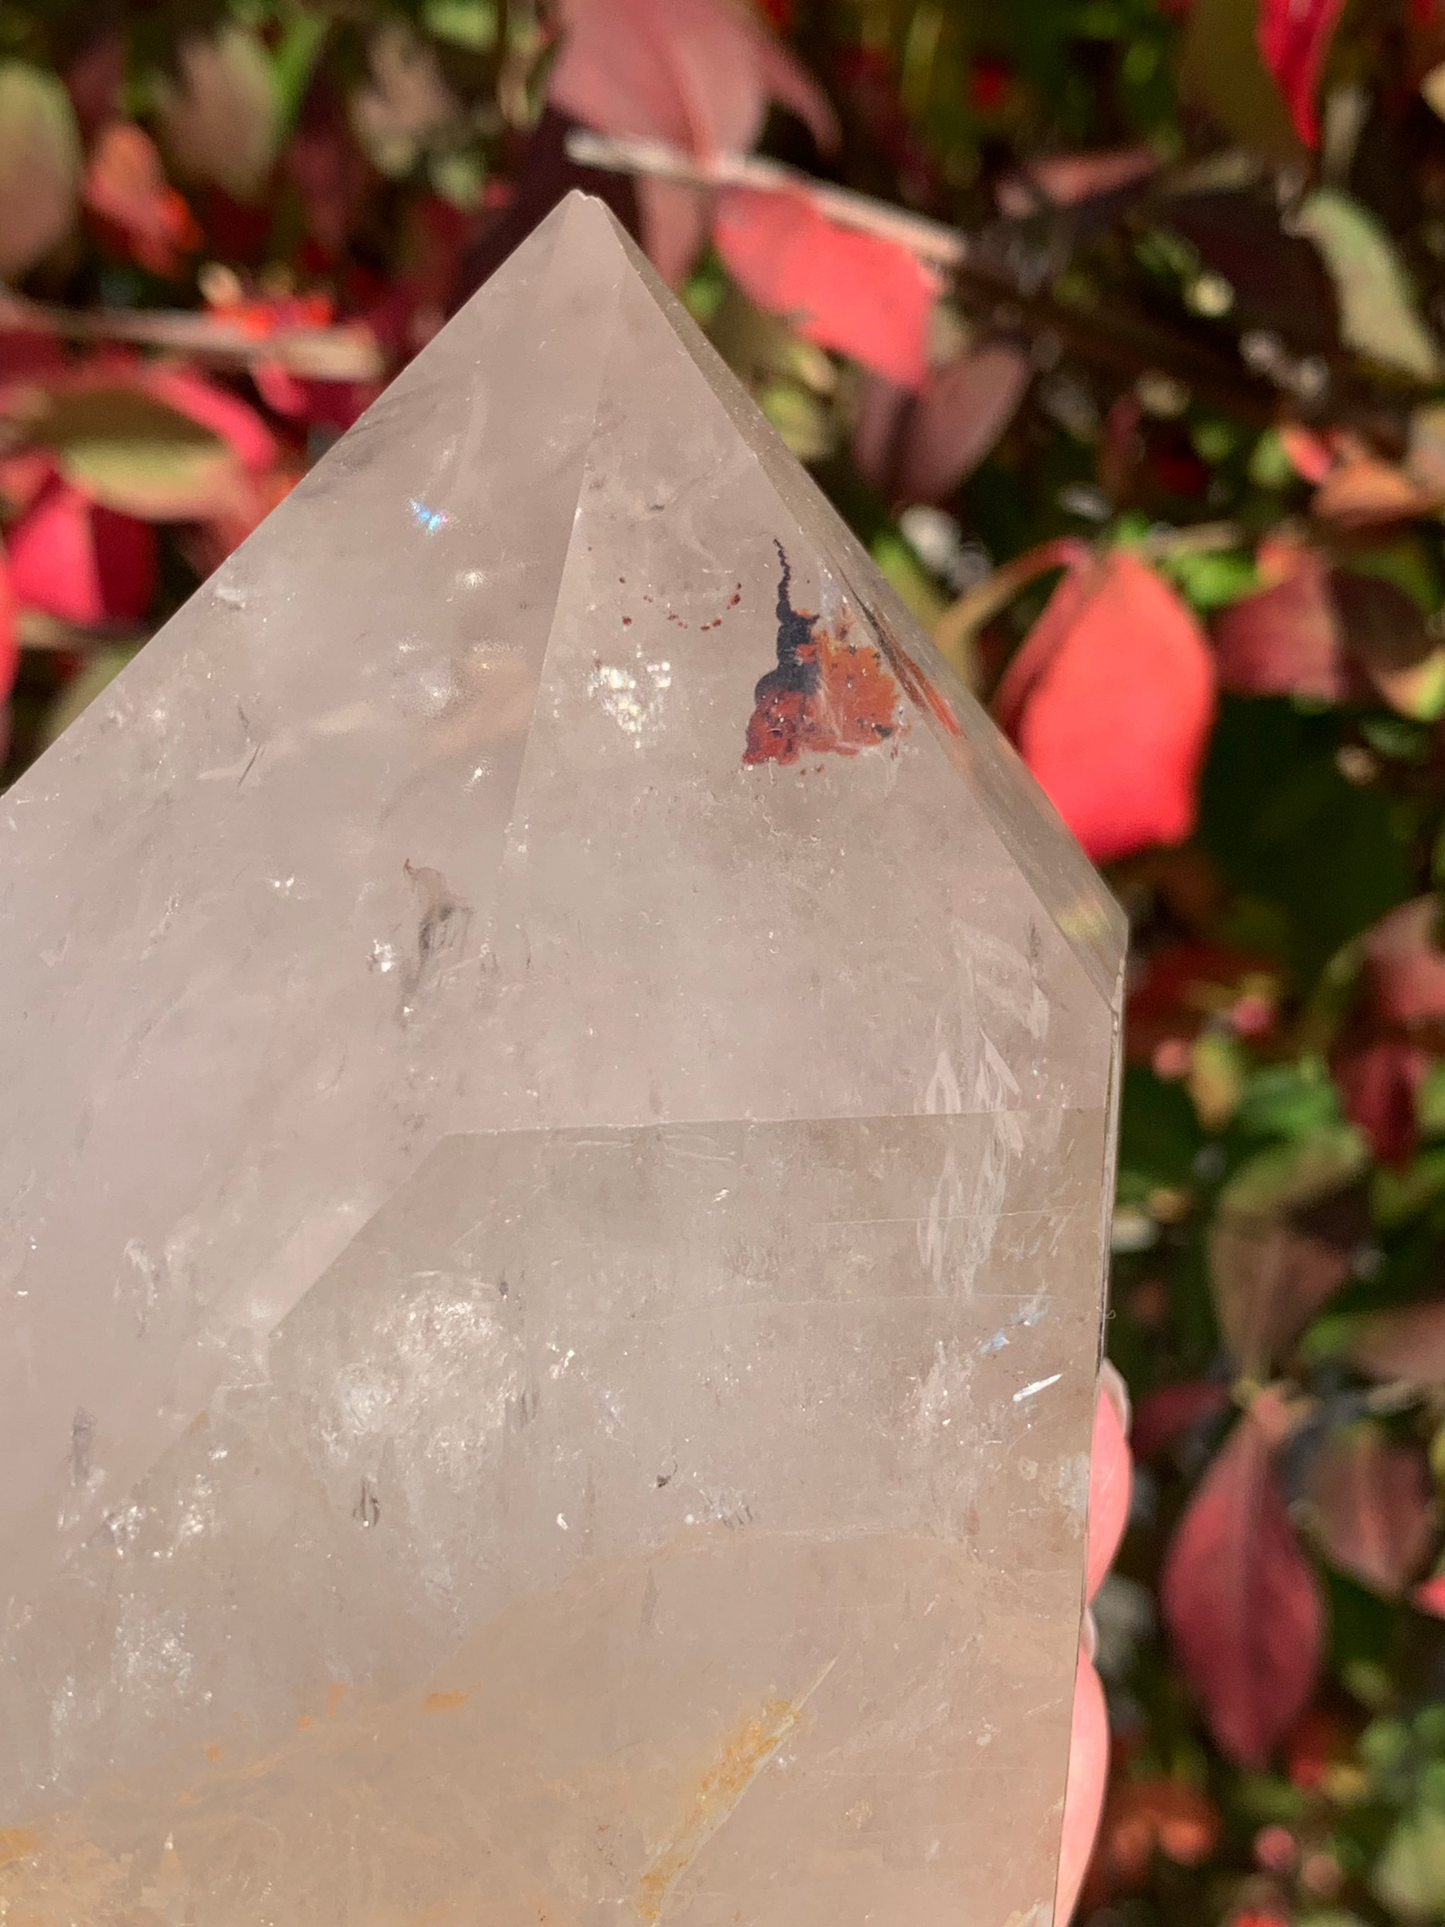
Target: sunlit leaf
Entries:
(82, 562)
(1110, 701)
(698, 74)
(867, 297)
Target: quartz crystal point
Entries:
(560, 1084)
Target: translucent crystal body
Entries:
(561, 1083)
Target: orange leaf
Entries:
(867, 297)
(1110, 701)
(1145, 1817)
(1242, 1605)
(126, 185)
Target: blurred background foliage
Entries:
(1121, 351)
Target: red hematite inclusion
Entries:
(828, 692)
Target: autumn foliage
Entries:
(1115, 328)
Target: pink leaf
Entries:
(1374, 1511)
(1088, 1778)
(1407, 1343)
(1063, 180)
(1110, 1485)
(696, 73)
(1405, 963)
(866, 297)
(1174, 1409)
(1429, 1596)
(1294, 36)
(1110, 701)
(82, 562)
(918, 449)
(1241, 1603)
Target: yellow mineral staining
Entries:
(444, 1702)
(17, 1843)
(743, 1755)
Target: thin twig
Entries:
(346, 353)
(931, 241)
(1110, 335)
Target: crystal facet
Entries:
(554, 1239)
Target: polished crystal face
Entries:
(561, 1087)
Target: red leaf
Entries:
(1379, 1084)
(1110, 1486)
(1284, 640)
(1173, 1409)
(327, 167)
(1145, 1817)
(1110, 701)
(919, 448)
(1084, 1793)
(126, 185)
(696, 73)
(1241, 1603)
(1293, 37)
(1407, 1343)
(80, 561)
(1373, 1508)
(866, 297)
(9, 646)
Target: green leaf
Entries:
(293, 62)
(1316, 858)
(1410, 1874)
(40, 166)
(1159, 1135)
(1397, 1196)
(1377, 309)
(1289, 1100)
(130, 452)
(1211, 580)
(220, 121)
(466, 23)
(1289, 1175)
